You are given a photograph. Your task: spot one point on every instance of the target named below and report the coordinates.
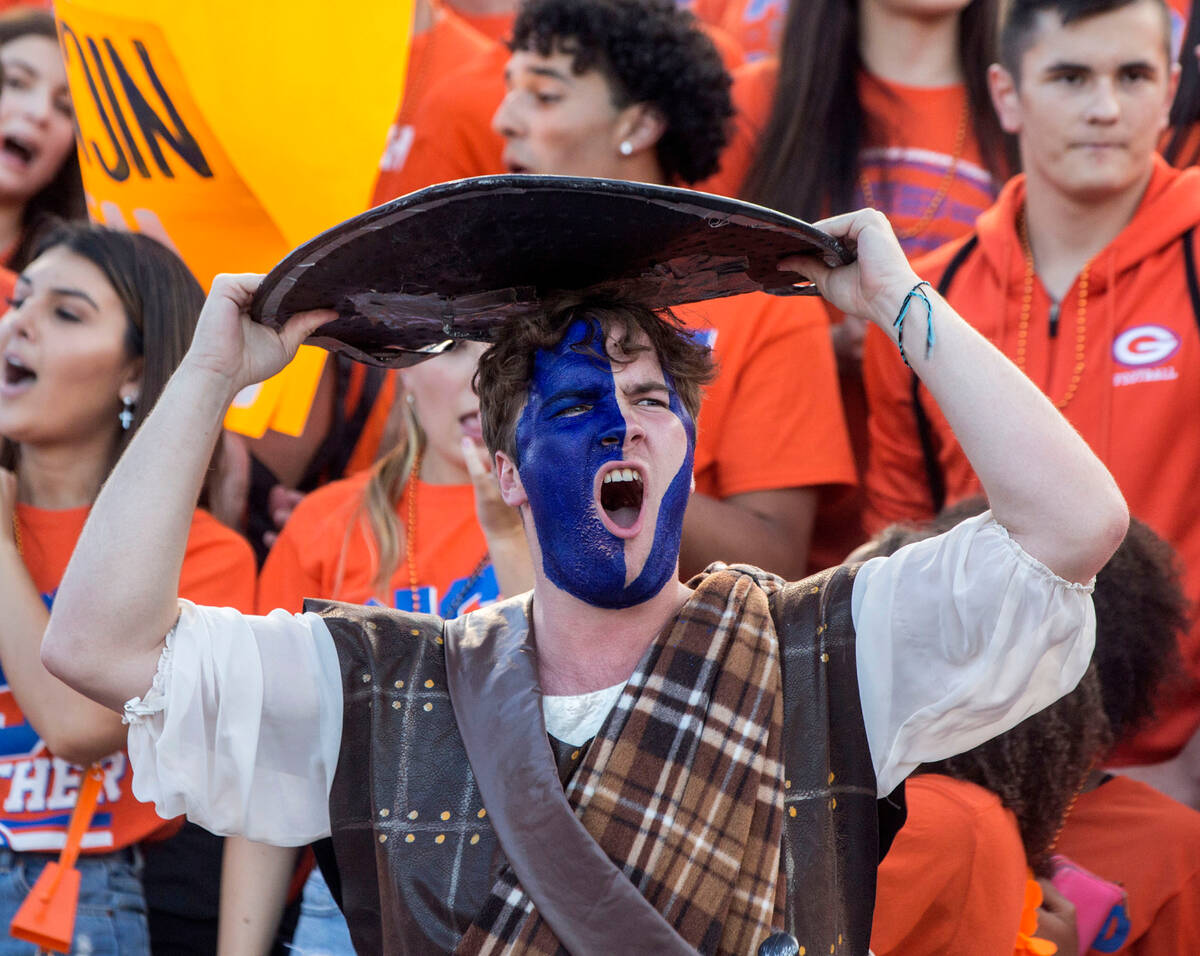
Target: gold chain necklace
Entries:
(960, 140)
(1027, 308)
(410, 533)
(17, 533)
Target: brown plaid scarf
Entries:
(683, 786)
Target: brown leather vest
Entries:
(415, 850)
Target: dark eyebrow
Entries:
(77, 294)
(645, 388)
(17, 61)
(1138, 65)
(1062, 66)
(23, 279)
(578, 392)
(548, 71)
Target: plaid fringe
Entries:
(683, 786)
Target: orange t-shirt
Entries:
(772, 418)
(448, 135)
(453, 572)
(39, 789)
(1134, 402)
(910, 136)
(1129, 833)
(954, 879)
(495, 26)
(445, 49)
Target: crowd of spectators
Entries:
(1036, 160)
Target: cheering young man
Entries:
(721, 743)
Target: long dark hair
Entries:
(807, 161)
(1185, 108)
(62, 197)
(161, 298)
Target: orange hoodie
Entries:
(1135, 400)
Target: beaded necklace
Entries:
(960, 140)
(1027, 308)
(410, 533)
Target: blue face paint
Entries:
(571, 427)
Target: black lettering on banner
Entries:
(120, 170)
(153, 128)
(116, 106)
(157, 126)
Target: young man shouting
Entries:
(722, 743)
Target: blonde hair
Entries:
(383, 493)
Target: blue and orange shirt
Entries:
(38, 789)
(326, 550)
(911, 142)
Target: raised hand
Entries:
(495, 517)
(236, 350)
(501, 524)
(875, 284)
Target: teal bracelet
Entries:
(916, 292)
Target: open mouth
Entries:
(16, 373)
(20, 149)
(622, 491)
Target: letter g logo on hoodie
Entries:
(1145, 345)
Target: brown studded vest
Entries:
(414, 846)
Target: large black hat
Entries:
(455, 260)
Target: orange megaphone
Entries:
(47, 917)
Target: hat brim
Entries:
(456, 260)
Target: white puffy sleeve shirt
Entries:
(959, 638)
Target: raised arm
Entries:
(117, 599)
(1047, 488)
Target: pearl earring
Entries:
(626, 148)
(126, 413)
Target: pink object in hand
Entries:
(1100, 906)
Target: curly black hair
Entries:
(653, 53)
(1141, 612)
(1037, 767)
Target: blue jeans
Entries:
(111, 918)
(322, 929)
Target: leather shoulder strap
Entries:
(1189, 267)
(591, 906)
(830, 840)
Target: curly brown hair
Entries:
(505, 370)
(1141, 613)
